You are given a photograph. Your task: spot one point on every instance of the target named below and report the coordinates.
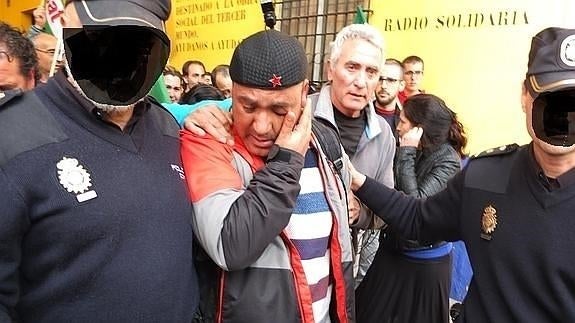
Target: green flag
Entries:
(48, 29)
(159, 91)
(360, 17)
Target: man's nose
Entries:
(361, 79)
(262, 122)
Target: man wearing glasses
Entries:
(413, 76)
(390, 83)
(45, 45)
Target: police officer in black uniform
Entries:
(513, 206)
(94, 209)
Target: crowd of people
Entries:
(194, 84)
(337, 204)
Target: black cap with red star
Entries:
(269, 59)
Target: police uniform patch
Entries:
(75, 179)
(488, 222)
(567, 51)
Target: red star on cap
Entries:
(276, 80)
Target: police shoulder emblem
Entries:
(488, 222)
(502, 150)
(7, 96)
(567, 51)
(75, 179)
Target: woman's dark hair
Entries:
(201, 92)
(439, 123)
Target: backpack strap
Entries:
(329, 141)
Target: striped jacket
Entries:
(242, 206)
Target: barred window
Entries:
(315, 23)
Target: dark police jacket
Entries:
(518, 233)
(95, 221)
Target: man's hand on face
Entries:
(211, 120)
(296, 134)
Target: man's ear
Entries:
(525, 97)
(305, 90)
(329, 70)
(401, 85)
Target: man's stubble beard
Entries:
(384, 103)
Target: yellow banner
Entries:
(210, 30)
(475, 55)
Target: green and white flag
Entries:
(360, 17)
(54, 9)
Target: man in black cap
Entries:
(95, 212)
(271, 211)
(513, 206)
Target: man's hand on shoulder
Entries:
(212, 120)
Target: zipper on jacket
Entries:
(219, 317)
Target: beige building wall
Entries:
(18, 13)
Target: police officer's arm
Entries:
(13, 225)
(432, 219)
(383, 174)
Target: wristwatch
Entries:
(276, 153)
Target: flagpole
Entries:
(54, 9)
